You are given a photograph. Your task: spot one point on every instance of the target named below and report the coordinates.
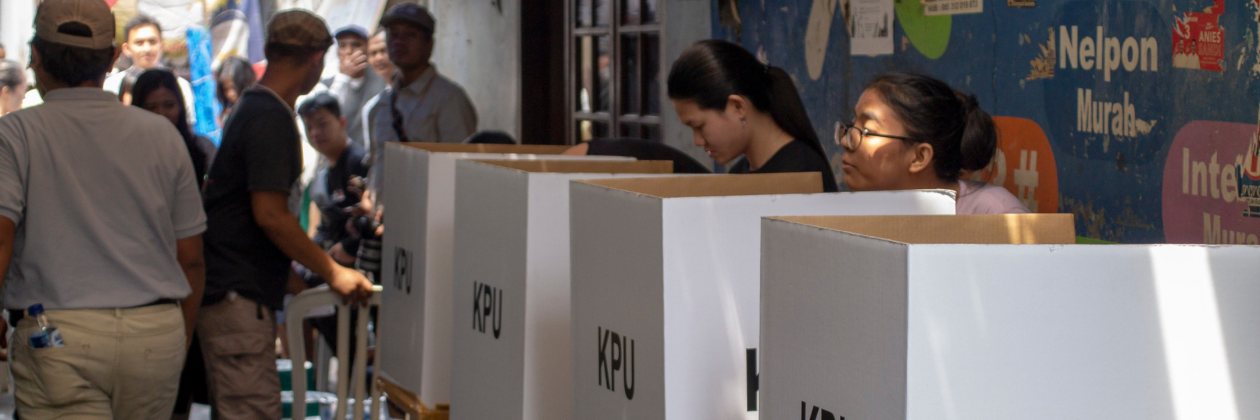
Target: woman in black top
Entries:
(158, 92)
(738, 106)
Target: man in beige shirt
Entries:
(419, 105)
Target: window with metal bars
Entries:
(614, 56)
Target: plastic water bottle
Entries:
(47, 336)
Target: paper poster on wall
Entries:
(1198, 39)
(951, 7)
(1211, 188)
(1249, 178)
(872, 27)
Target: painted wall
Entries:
(1100, 123)
(479, 47)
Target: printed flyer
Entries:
(872, 27)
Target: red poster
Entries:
(1198, 40)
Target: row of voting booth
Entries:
(524, 284)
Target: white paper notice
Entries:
(872, 27)
(951, 7)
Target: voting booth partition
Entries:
(1002, 317)
(665, 286)
(511, 355)
(417, 258)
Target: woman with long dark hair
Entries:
(158, 92)
(915, 132)
(738, 106)
(232, 78)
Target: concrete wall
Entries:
(478, 46)
(686, 21)
(16, 17)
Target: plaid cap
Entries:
(95, 15)
(299, 28)
(410, 13)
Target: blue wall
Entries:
(1113, 183)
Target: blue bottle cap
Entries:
(36, 309)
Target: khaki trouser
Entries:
(238, 341)
(116, 364)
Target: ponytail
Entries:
(962, 136)
(709, 72)
(788, 111)
(979, 136)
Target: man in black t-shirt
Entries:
(253, 235)
(338, 187)
(338, 184)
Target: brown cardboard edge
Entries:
(585, 166)
(532, 149)
(717, 185)
(1032, 228)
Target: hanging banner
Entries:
(236, 28)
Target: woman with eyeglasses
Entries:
(738, 106)
(915, 132)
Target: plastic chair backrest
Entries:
(302, 304)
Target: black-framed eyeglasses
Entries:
(850, 137)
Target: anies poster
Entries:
(1198, 39)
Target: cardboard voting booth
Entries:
(665, 295)
(1002, 317)
(417, 258)
(511, 355)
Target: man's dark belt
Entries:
(16, 315)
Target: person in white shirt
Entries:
(354, 85)
(143, 45)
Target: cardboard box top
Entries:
(1033, 228)
(532, 149)
(717, 185)
(586, 166)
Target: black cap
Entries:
(412, 14)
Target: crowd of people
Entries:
(161, 259)
(164, 261)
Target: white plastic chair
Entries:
(299, 306)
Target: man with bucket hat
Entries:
(253, 236)
(100, 234)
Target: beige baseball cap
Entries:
(77, 23)
(299, 28)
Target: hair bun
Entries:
(969, 101)
(979, 140)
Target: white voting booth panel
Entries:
(948, 318)
(417, 258)
(511, 355)
(665, 286)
